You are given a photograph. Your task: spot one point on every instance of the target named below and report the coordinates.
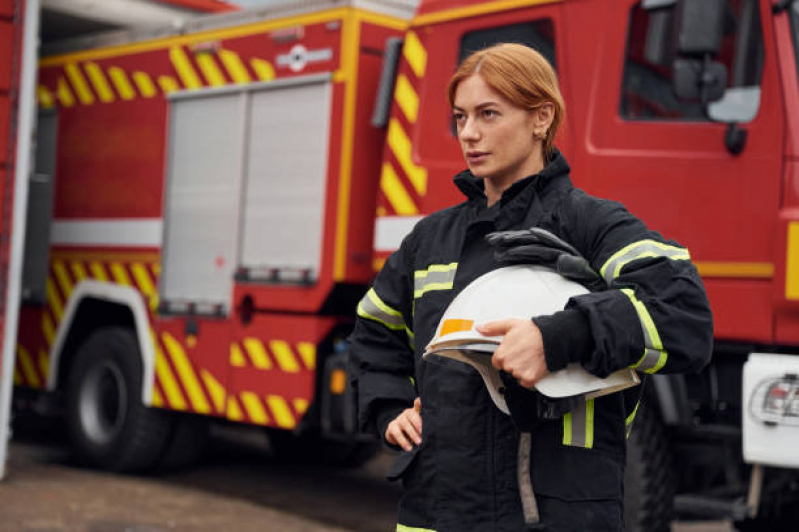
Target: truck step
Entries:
(710, 507)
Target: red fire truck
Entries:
(210, 202)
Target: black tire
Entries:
(108, 425)
(186, 444)
(649, 482)
(289, 447)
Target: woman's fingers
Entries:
(406, 428)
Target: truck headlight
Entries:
(776, 401)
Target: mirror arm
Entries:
(735, 138)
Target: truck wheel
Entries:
(186, 443)
(312, 448)
(108, 425)
(649, 484)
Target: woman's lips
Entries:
(476, 157)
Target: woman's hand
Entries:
(406, 427)
(521, 352)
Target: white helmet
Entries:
(523, 291)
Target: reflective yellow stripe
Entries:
(64, 282)
(184, 68)
(792, 262)
(216, 390)
(28, 370)
(255, 409)
(78, 271)
(64, 94)
(168, 84)
(99, 82)
(235, 67)
(234, 413)
(187, 375)
(122, 83)
(158, 401)
(48, 328)
(167, 378)
(628, 423)
(236, 356)
(142, 278)
(45, 97)
(210, 71)
(263, 69)
(54, 300)
(578, 426)
(400, 145)
(403, 528)
(435, 277)
(79, 84)
(44, 363)
(415, 54)
(373, 308)
(144, 84)
(396, 194)
(567, 428)
(652, 340)
(300, 405)
(257, 353)
(407, 98)
(589, 424)
(749, 270)
(640, 250)
(98, 272)
(284, 355)
(308, 353)
(281, 411)
(120, 274)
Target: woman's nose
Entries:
(469, 131)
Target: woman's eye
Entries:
(458, 117)
(489, 113)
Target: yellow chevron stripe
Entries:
(235, 68)
(415, 54)
(284, 355)
(78, 271)
(144, 83)
(257, 353)
(79, 84)
(300, 405)
(98, 272)
(254, 407)
(184, 68)
(233, 413)
(27, 367)
(100, 84)
(400, 144)
(210, 71)
(216, 390)
(308, 353)
(395, 192)
(44, 363)
(236, 356)
(120, 274)
(263, 69)
(48, 328)
(158, 401)
(142, 278)
(168, 84)
(46, 99)
(407, 98)
(54, 300)
(63, 278)
(64, 94)
(167, 378)
(186, 372)
(122, 83)
(281, 411)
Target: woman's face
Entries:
(496, 137)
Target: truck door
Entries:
(666, 158)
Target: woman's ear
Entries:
(543, 116)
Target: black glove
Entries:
(539, 246)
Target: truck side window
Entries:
(537, 34)
(652, 48)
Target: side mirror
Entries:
(695, 79)
(701, 26)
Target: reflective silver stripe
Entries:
(435, 277)
(640, 250)
(372, 307)
(578, 426)
(654, 356)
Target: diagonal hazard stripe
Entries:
(167, 379)
(79, 84)
(184, 68)
(100, 84)
(48, 328)
(263, 69)
(54, 300)
(257, 352)
(236, 356)
(28, 370)
(216, 390)
(254, 407)
(400, 144)
(144, 83)
(78, 271)
(281, 411)
(122, 83)
(284, 355)
(142, 278)
(407, 98)
(186, 374)
(300, 405)
(234, 412)
(98, 271)
(44, 364)
(64, 93)
(64, 281)
(235, 68)
(158, 399)
(168, 84)
(120, 274)
(307, 351)
(395, 192)
(46, 99)
(415, 54)
(210, 71)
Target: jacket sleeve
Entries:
(653, 317)
(381, 349)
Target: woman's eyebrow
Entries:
(478, 106)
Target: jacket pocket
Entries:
(402, 463)
(576, 474)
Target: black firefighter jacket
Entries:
(654, 316)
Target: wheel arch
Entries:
(120, 305)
